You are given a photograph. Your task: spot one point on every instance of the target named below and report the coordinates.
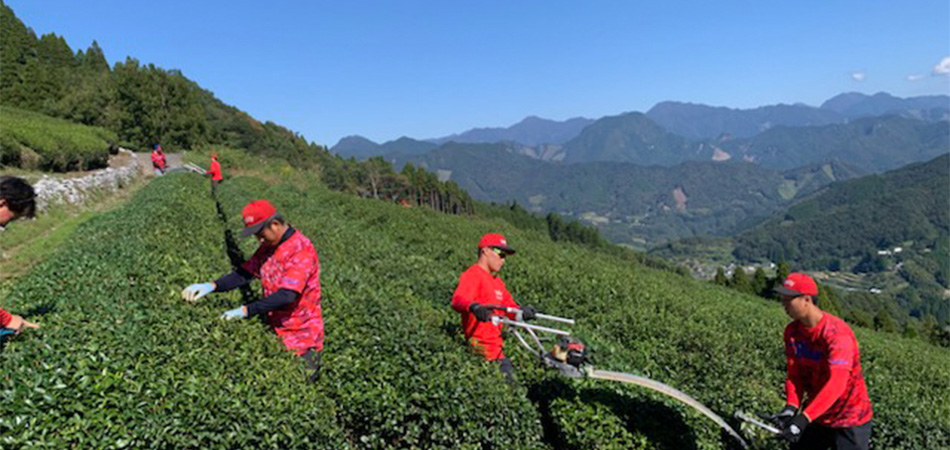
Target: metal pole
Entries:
(555, 318)
(757, 422)
(508, 321)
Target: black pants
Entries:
(817, 437)
(312, 360)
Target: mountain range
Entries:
(633, 204)
(553, 140)
(532, 131)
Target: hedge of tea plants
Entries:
(31, 140)
(122, 362)
(401, 266)
(405, 381)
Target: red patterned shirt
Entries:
(292, 265)
(824, 363)
(5, 318)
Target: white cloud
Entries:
(859, 76)
(915, 77)
(943, 67)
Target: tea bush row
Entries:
(31, 140)
(724, 349)
(122, 362)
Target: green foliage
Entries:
(720, 279)
(722, 348)
(740, 281)
(760, 283)
(884, 322)
(33, 141)
(405, 380)
(122, 361)
(851, 221)
(144, 369)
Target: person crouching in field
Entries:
(479, 287)
(158, 160)
(824, 365)
(287, 265)
(17, 199)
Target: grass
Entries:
(28, 242)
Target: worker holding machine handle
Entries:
(827, 404)
(481, 294)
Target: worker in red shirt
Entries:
(215, 172)
(287, 265)
(479, 286)
(17, 199)
(824, 367)
(158, 160)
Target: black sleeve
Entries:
(232, 281)
(277, 300)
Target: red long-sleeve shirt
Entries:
(215, 170)
(477, 285)
(158, 159)
(824, 364)
(5, 318)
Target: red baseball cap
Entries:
(495, 240)
(798, 284)
(256, 214)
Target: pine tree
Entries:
(884, 322)
(740, 281)
(720, 277)
(760, 282)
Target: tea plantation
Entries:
(30, 140)
(122, 362)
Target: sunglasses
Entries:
(501, 253)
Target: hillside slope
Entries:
(146, 368)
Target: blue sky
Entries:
(431, 68)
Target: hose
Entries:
(667, 390)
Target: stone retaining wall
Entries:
(76, 191)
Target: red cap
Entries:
(495, 240)
(256, 215)
(798, 284)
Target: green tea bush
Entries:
(722, 348)
(405, 381)
(31, 140)
(123, 362)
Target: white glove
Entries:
(196, 291)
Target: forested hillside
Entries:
(631, 204)
(856, 226)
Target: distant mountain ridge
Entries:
(673, 132)
(854, 105)
(698, 122)
(360, 147)
(633, 204)
(531, 131)
(871, 144)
